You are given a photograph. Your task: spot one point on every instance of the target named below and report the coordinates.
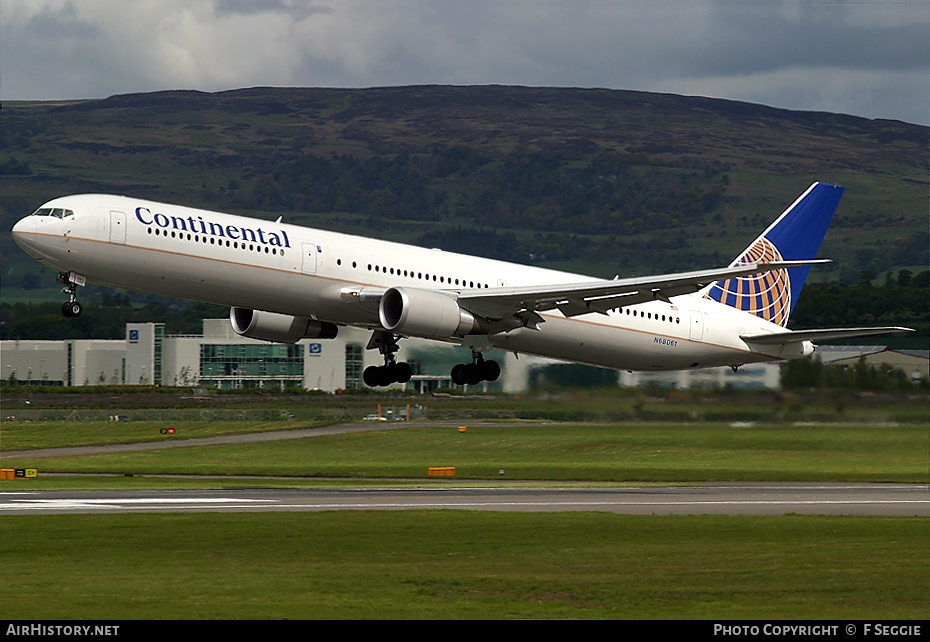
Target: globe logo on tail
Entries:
(766, 295)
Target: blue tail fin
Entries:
(795, 235)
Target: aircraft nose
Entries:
(23, 229)
(24, 226)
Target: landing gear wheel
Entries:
(72, 309)
(472, 374)
(371, 376)
(401, 372)
(385, 376)
(490, 370)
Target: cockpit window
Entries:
(57, 212)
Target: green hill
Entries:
(597, 181)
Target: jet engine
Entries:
(422, 313)
(284, 328)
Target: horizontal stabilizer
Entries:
(821, 334)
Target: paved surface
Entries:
(721, 499)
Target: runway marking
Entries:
(141, 504)
(116, 504)
(646, 503)
(428, 500)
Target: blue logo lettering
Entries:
(198, 225)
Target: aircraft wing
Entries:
(796, 336)
(602, 295)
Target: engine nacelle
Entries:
(284, 328)
(422, 313)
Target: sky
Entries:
(867, 58)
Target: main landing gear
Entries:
(391, 371)
(71, 281)
(400, 372)
(476, 372)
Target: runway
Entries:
(717, 499)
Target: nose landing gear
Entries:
(71, 282)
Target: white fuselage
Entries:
(288, 269)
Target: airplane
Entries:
(286, 282)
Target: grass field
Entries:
(524, 451)
(462, 565)
(470, 565)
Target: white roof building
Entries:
(220, 358)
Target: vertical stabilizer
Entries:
(795, 235)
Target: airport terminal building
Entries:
(220, 358)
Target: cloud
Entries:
(870, 59)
